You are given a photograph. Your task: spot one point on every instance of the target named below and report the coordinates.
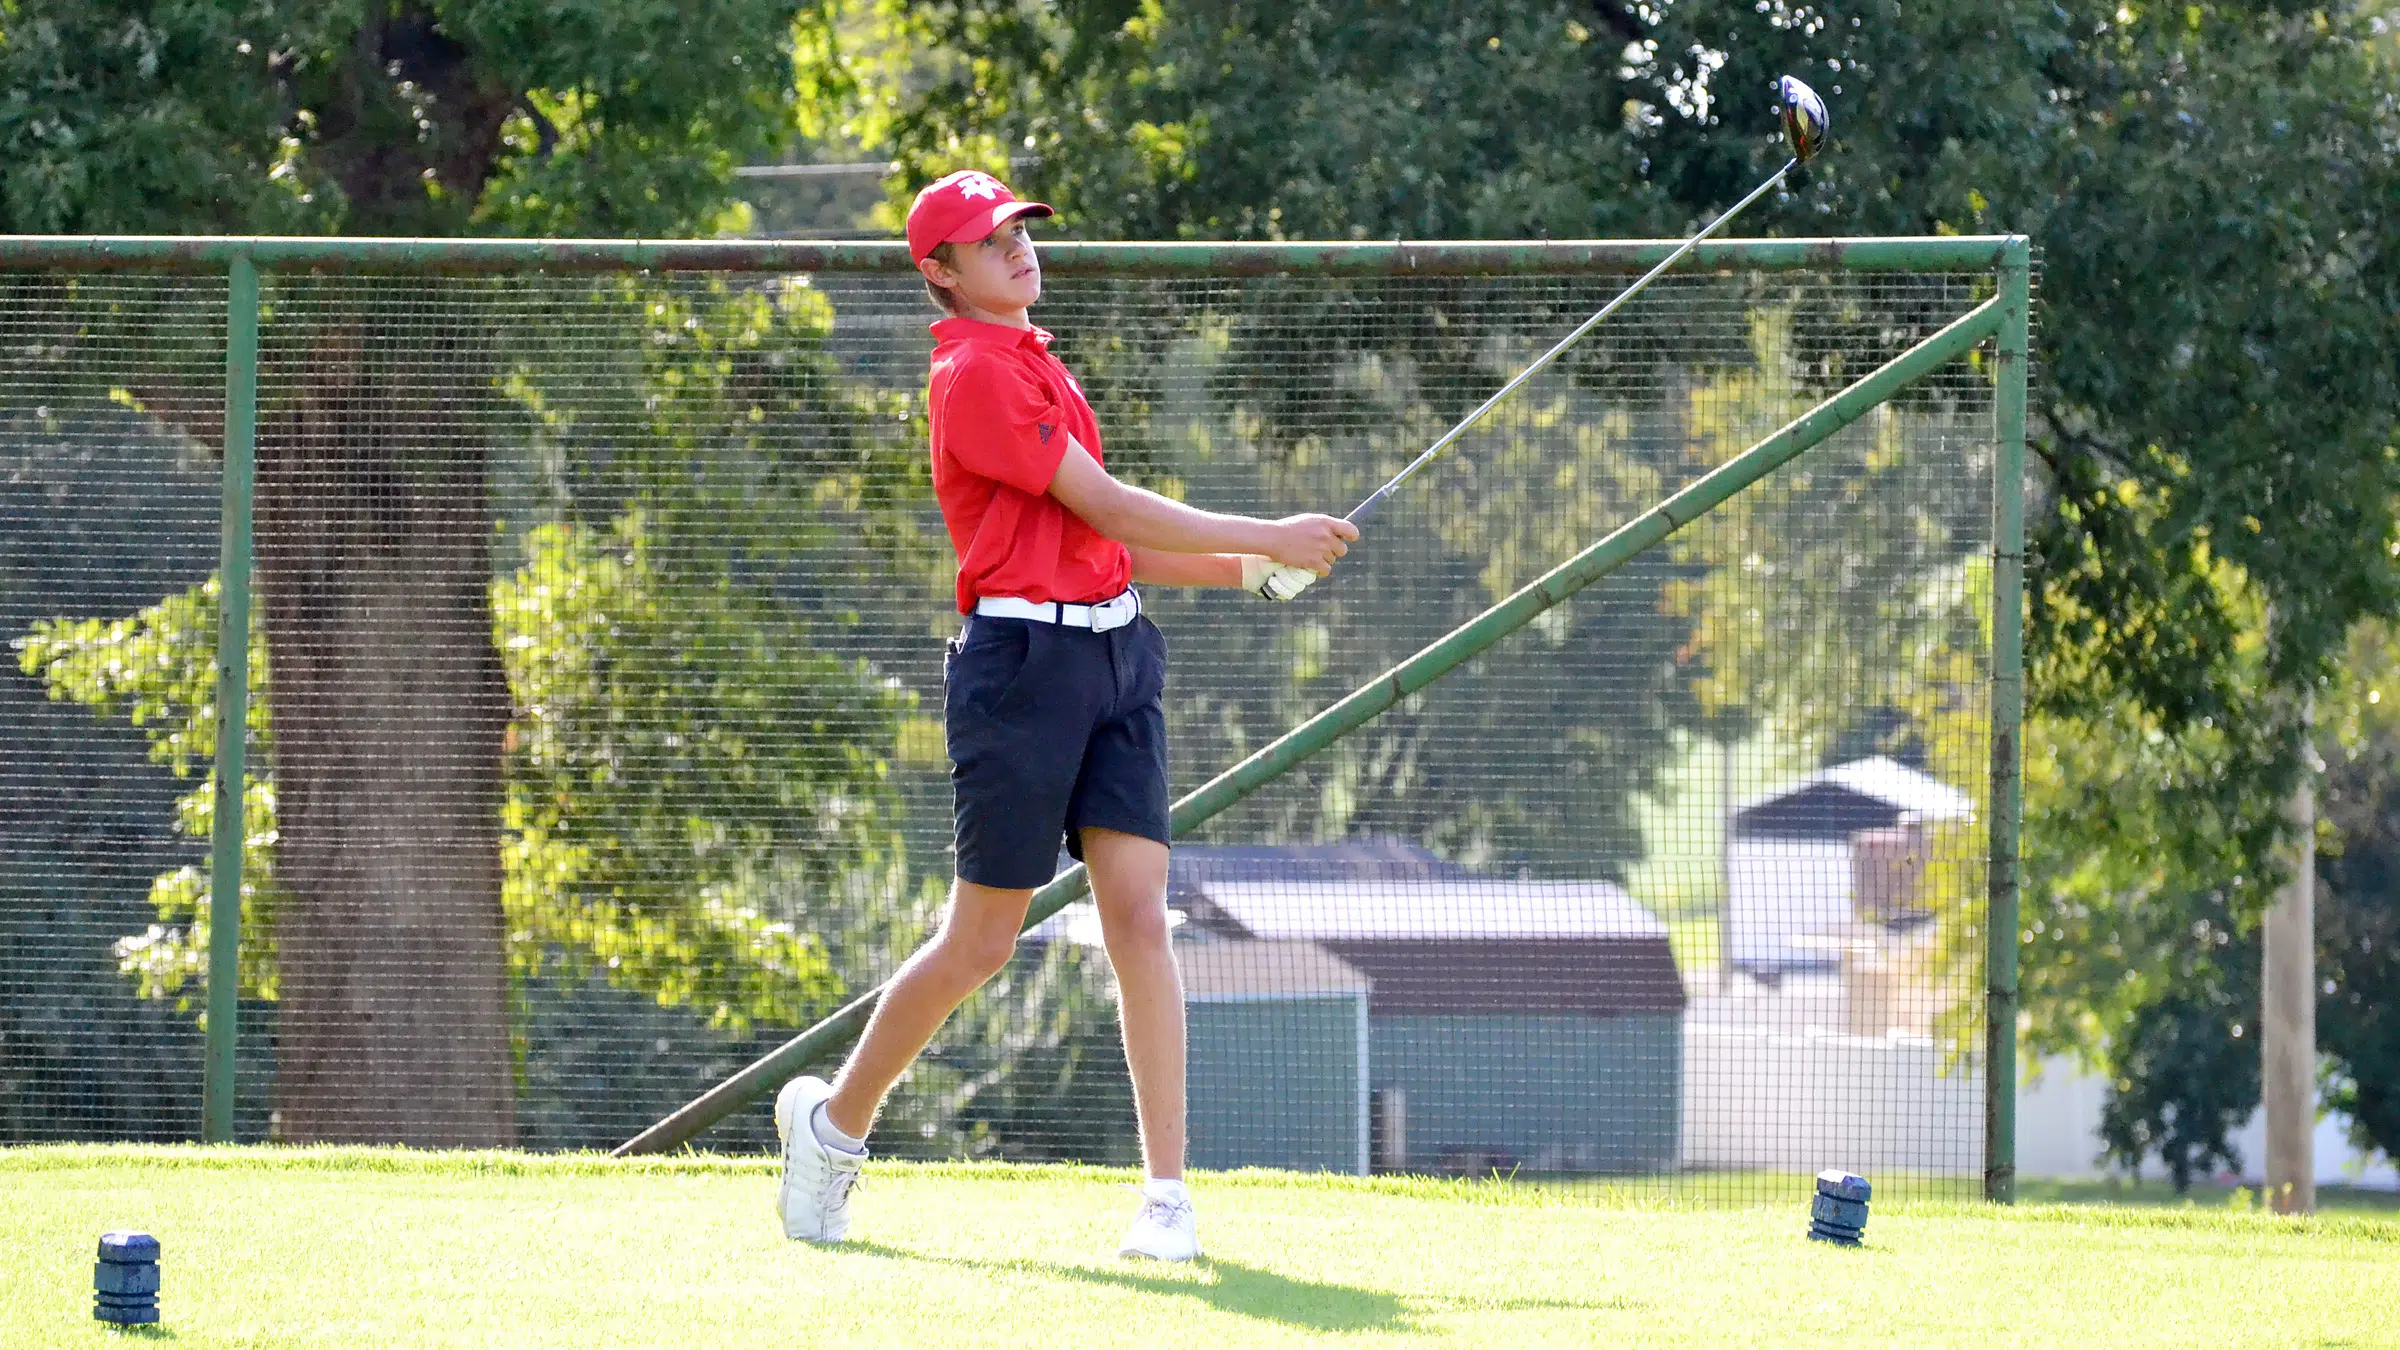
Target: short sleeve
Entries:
(998, 421)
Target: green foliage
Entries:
(2182, 1085)
(718, 410)
(695, 796)
(1860, 569)
(367, 117)
(434, 117)
(2139, 928)
(2136, 878)
(1283, 394)
(698, 797)
(1311, 121)
(126, 116)
(581, 117)
(2210, 179)
(157, 669)
(689, 826)
(1851, 569)
(2358, 895)
(692, 772)
(2216, 370)
(2149, 860)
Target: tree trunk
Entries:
(374, 572)
(390, 704)
(2288, 1006)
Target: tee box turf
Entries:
(1838, 1214)
(125, 1281)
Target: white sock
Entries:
(1165, 1188)
(830, 1134)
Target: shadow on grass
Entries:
(1253, 1291)
(1228, 1286)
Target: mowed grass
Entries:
(385, 1247)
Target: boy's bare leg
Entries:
(978, 933)
(1129, 883)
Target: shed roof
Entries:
(1461, 909)
(1429, 935)
(1861, 794)
(1233, 971)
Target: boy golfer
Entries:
(1051, 706)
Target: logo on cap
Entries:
(979, 185)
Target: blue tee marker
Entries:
(1838, 1214)
(125, 1282)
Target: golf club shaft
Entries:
(1540, 363)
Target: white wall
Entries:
(1805, 1099)
(2058, 1135)
(1769, 1081)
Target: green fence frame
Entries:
(233, 697)
(2007, 316)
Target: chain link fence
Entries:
(595, 674)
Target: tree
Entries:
(1844, 602)
(2208, 181)
(1320, 385)
(696, 795)
(417, 117)
(2358, 914)
(2140, 926)
(85, 1058)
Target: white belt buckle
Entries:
(1114, 614)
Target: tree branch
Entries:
(410, 109)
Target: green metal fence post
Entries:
(233, 697)
(2008, 725)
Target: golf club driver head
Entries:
(1804, 119)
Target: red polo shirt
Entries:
(1002, 408)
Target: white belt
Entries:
(1100, 618)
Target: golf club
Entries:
(1804, 127)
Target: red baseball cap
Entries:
(962, 208)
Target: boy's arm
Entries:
(1144, 520)
(1158, 567)
(1260, 575)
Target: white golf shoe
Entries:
(817, 1178)
(1166, 1229)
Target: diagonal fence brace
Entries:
(1370, 700)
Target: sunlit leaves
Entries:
(157, 669)
(692, 786)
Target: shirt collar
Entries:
(956, 328)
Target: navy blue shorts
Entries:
(1052, 729)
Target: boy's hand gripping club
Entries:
(1270, 580)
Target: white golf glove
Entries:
(1270, 580)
